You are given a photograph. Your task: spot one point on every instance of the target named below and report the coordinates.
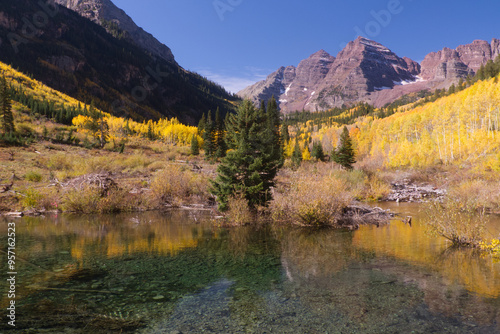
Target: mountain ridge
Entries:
(104, 12)
(79, 58)
(367, 71)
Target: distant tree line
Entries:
(58, 113)
(489, 70)
(344, 115)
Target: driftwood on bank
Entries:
(357, 214)
(5, 187)
(406, 191)
(102, 181)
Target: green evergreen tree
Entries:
(452, 89)
(98, 125)
(285, 135)
(195, 148)
(220, 142)
(333, 154)
(103, 130)
(344, 154)
(151, 133)
(201, 125)
(6, 111)
(126, 129)
(262, 108)
(297, 154)
(317, 151)
(481, 73)
(490, 70)
(209, 137)
(468, 80)
(273, 116)
(250, 167)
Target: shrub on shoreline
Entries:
(91, 199)
(177, 185)
(310, 201)
(318, 194)
(239, 212)
(463, 226)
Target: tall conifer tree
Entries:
(209, 137)
(297, 154)
(5, 100)
(220, 142)
(195, 147)
(250, 166)
(317, 151)
(344, 154)
(273, 124)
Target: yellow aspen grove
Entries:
(455, 129)
(170, 131)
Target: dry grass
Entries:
(239, 212)
(37, 199)
(310, 198)
(177, 185)
(318, 194)
(42, 163)
(477, 194)
(33, 176)
(84, 200)
(363, 185)
(90, 199)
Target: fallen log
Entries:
(355, 215)
(6, 187)
(102, 181)
(14, 214)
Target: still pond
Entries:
(176, 273)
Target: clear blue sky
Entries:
(238, 42)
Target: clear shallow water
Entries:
(175, 273)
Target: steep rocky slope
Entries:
(367, 71)
(78, 57)
(322, 81)
(105, 13)
(447, 65)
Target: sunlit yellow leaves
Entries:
(306, 155)
(38, 90)
(170, 131)
(459, 128)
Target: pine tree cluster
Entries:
(489, 70)
(213, 134)
(7, 117)
(255, 155)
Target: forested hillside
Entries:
(78, 57)
(462, 128)
(456, 127)
(41, 102)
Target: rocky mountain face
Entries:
(273, 85)
(106, 14)
(78, 57)
(367, 71)
(447, 66)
